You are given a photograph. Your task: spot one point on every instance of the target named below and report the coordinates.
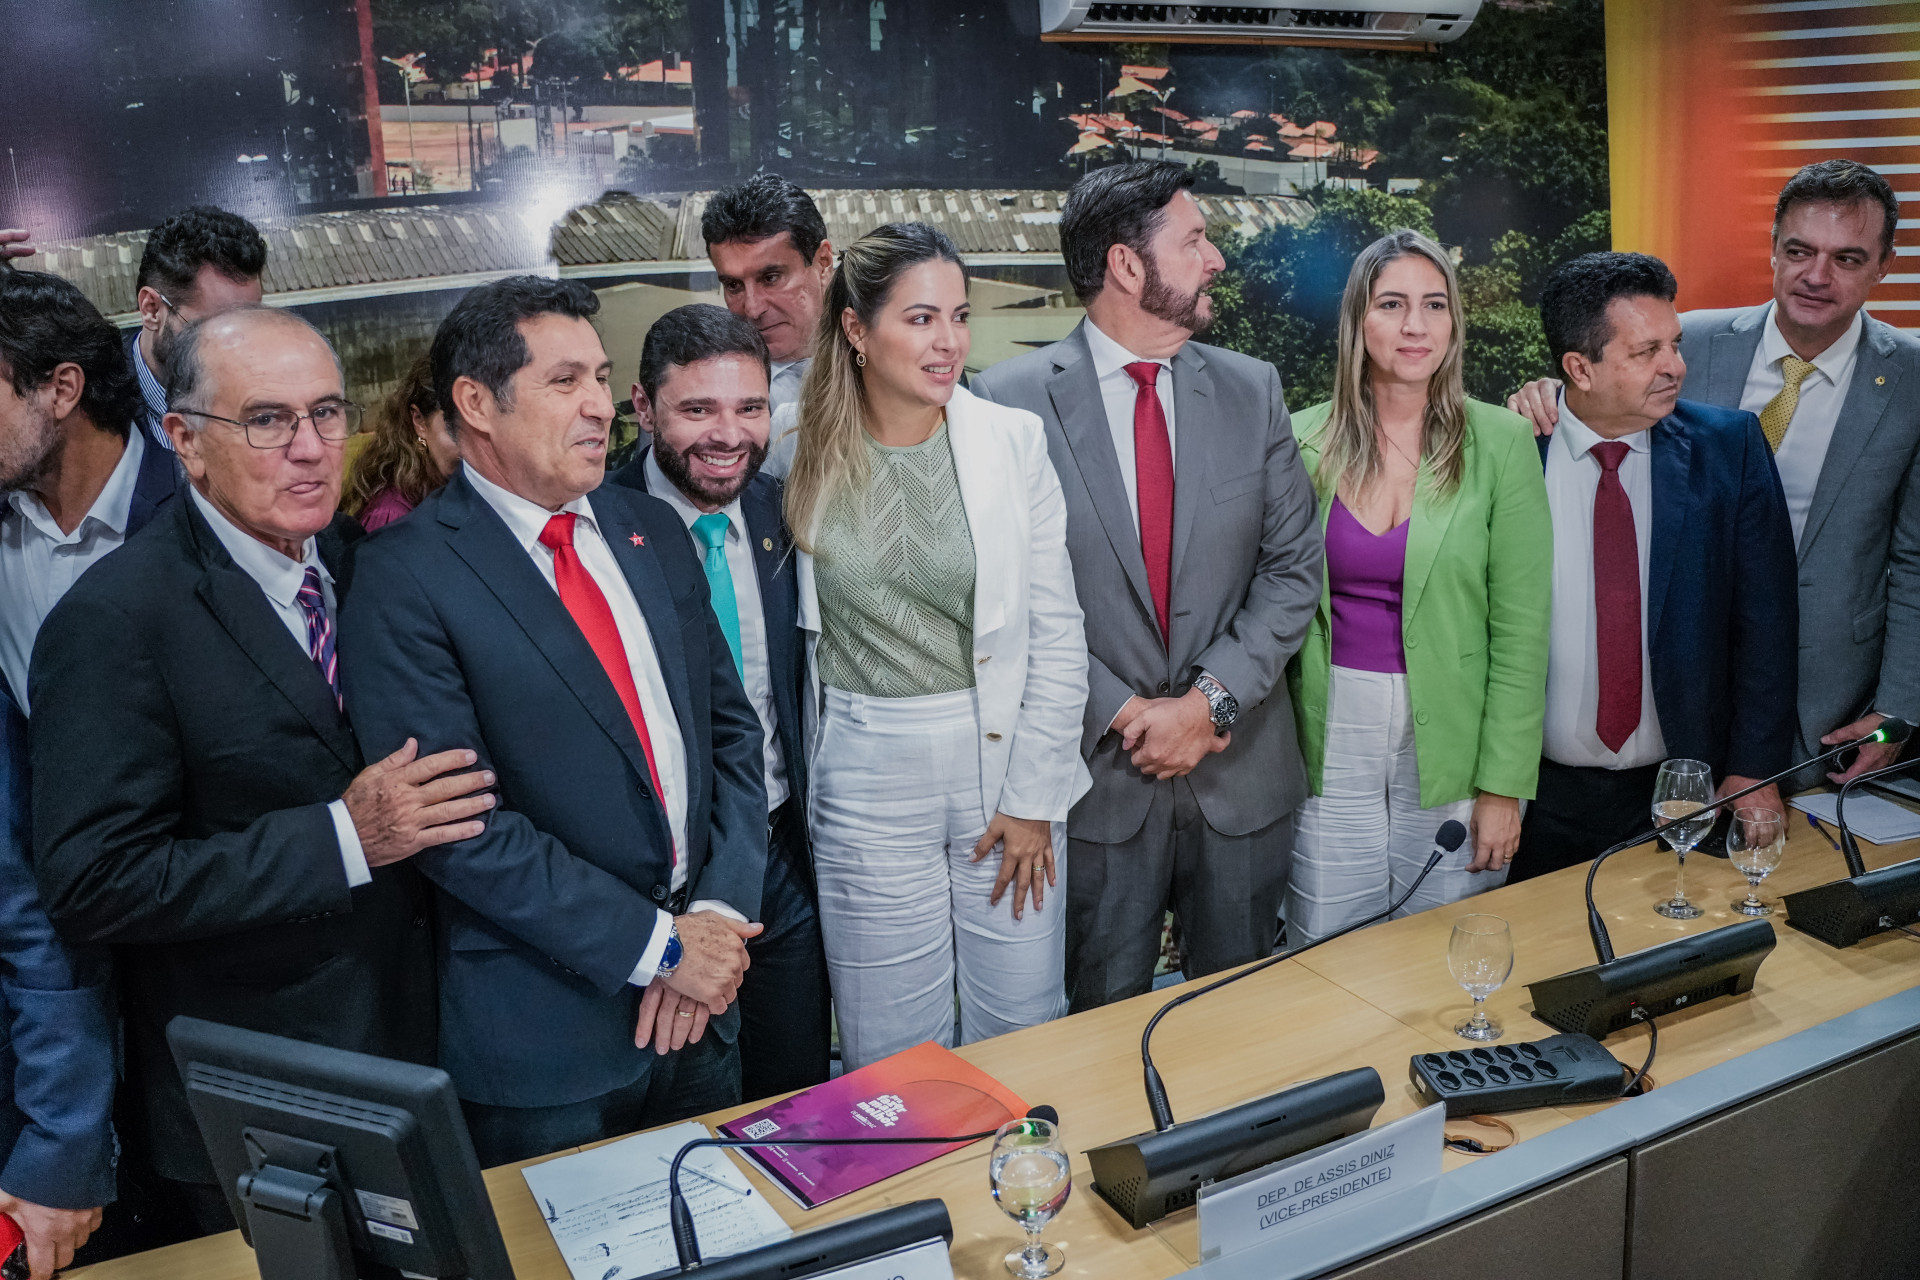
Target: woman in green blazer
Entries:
(1421, 685)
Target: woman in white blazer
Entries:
(948, 665)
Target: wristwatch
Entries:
(670, 958)
(1224, 707)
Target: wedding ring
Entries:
(682, 1013)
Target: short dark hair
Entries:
(202, 236)
(764, 205)
(45, 322)
(698, 331)
(185, 369)
(480, 338)
(1120, 204)
(1840, 182)
(1574, 301)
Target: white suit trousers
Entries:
(896, 813)
(1364, 838)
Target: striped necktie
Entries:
(319, 630)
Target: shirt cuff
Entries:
(352, 856)
(714, 904)
(649, 965)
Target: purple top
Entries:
(1364, 573)
(386, 506)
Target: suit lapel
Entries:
(1426, 530)
(1876, 378)
(153, 485)
(1672, 505)
(1075, 392)
(1730, 355)
(1192, 403)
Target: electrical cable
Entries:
(1653, 1035)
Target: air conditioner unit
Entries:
(1383, 24)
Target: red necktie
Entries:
(1616, 600)
(1153, 483)
(583, 599)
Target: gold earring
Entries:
(422, 442)
(860, 358)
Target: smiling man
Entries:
(1838, 395)
(702, 399)
(564, 628)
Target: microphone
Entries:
(1892, 730)
(1849, 847)
(1449, 838)
(686, 1243)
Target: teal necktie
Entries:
(712, 532)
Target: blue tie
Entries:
(712, 532)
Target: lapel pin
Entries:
(637, 540)
(1880, 381)
(766, 544)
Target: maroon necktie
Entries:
(1616, 600)
(1153, 483)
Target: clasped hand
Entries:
(713, 959)
(1168, 737)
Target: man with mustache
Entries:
(1197, 558)
(702, 399)
(1673, 630)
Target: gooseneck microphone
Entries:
(1450, 837)
(1892, 730)
(1849, 847)
(686, 1243)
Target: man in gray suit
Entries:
(1197, 558)
(1838, 396)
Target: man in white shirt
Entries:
(200, 804)
(768, 244)
(564, 627)
(1836, 393)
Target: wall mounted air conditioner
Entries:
(1365, 24)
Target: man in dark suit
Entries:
(702, 399)
(199, 803)
(1674, 612)
(604, 911)
(76, 478)
(1197, 558)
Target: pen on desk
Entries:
(707, 1177)
(1815, 824)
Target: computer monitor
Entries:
(338, 1165)
(1604, 998)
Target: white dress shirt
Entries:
(525, 519)
(1573, 647)
(783, 407)
(1803, 450)
(280, 580)
(38, 562)
(753, 619)
(1118, 392)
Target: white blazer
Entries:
(1029, 639)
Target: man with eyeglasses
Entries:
(197, 263)
(199, 802)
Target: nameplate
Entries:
(1276, 1200)
(925, 1261)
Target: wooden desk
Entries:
(1373, 999)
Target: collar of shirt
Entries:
(780, 367)
(278, 576)
(664, 489)
(1580, 438)
(524, 517)
(1836, 362)
(150, 389)
(110, 509)
(1110, 357)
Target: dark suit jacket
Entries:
(454, 637)
(1721, 611)
(156, 484)
(775, 567)
(184, 754)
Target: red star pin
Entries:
(637, 540)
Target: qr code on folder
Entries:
(761, 1129)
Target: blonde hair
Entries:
(396, 458)
(1350, 442)
(831, 452)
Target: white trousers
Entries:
(1364, 838)
(896, 812)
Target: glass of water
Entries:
(1684, 788)
(1756, 842)
(1480, 956)
(1031, 1179)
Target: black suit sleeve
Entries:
(108, 784)
(1765, 621)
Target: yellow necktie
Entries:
(1778, 415)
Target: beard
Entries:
(715, 493)
(1182, 310)
(164, 341)
(24, 453)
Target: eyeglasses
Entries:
(276, 428)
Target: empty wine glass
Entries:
(1684, 787)
(1756, 841)
(1480, 956)
(1031, 1179)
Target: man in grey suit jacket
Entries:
(1197, 558)
(1838, 395)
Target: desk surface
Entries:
(1375, 998)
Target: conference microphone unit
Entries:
(1866, 902)
(838, 1245)
(1150, 1175)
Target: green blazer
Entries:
(1474, 612)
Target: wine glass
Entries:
(1480, 956)
(1031, 1179)
(1756, 841)
(1684, 787)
